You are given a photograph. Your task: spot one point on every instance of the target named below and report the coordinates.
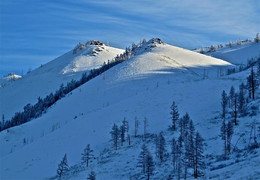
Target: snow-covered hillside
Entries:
(142, 87)
(237, 54)
(48, 78)
(8, 79)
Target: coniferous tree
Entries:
(224, 136)
(251, 83)
(122, 134)
(174, 154)
(235, 108)
(229, 133)
(145, 161)
(142, 158)
(199, 163)
(87, 155)
(180, 157)
(231, 96)
(115, 135)
(149, 165)
(92, 176)
(145, 127)
(161, 147)
(190, 145)
(136, 126)
(224, 102)
(241, 100)
(174, 115)
(63, 167)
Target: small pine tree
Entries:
(149, 165)
(224, 136)
(174, 115)
(145, 127)
(257, 38)
(92, 176)
(224, 102)
(234, 108)
(142, 157)
(231, 96)
(251, 84)
(136, 126)
(174, 154)
(241, 101)
(190, 145)
(122, 134)
(161, 147)
(115, 136)
(87, 155)
(229, 133)
(199, 163)
(63, 167)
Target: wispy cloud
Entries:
(47, 28)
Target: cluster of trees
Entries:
(186, 152)
(146, 162)
(120, 134)
(236, 104)
(187, 149)
(87, 156)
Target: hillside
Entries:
(48, 77)
(238, 54)
(142, 87)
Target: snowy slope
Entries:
(238, 54)
(48, 78)
(143, 87)
(4, 81)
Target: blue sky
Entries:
(33, 32)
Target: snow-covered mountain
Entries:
(48, 77)
(142, 87)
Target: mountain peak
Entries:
(155, 41)
(81, 46)
(94, 42)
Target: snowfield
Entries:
(141, 87)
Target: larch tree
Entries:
(242, 100)
(199, 163)
(229, 133)
(174, 115)
(231, 96)
(87, 155)
(224, 101)
(115, 136)
(63, 167)
(223, 130)
(136, 126)
(161, 147)
(174, 154)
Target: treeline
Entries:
(213, 48)
(34, 111)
